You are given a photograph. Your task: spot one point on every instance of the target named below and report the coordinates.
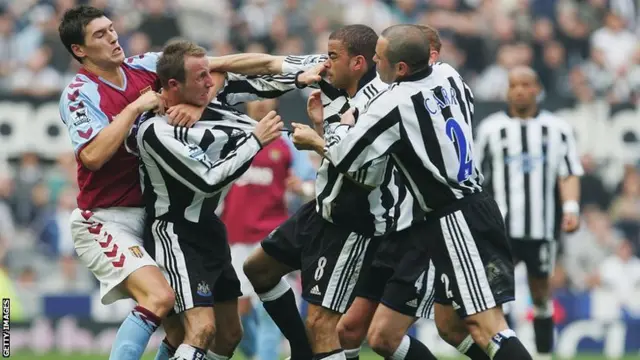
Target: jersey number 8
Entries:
(456, 134)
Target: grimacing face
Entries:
(101, 45)
(198, 81)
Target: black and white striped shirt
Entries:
(522, 161)
(188, 171)
(383, 204)
(424, 123)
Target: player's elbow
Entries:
(91, 160)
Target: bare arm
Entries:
(248, 64)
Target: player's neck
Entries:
(170, 98)
(112, 75)
(523, 113)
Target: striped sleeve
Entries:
(243, 88)
(570, 164)
(296, 63)
(181, 157)
(373, 136)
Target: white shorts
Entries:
(109, 243)
(239, 253)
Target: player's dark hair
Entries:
(407, 44)
(73, 25)
(359, 40)
(171, 63)
(433, 36)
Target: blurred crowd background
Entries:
(586, 51)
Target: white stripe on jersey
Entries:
(522, 161)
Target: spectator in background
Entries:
(599, 79)
(592, 190)
(37, 77)
(28, 175)
(8, 47)
(158, 24)
(616, 43)
(620, 272)
(6, 219)
(625, 208)
(585, 249)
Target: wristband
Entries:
(571, 206)
(298, 85)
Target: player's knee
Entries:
(262, 278)
(383, 342)
(452, 335)
(322, 321)
(160, 301)
(351, 332)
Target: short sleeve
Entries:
(81, 113)
(146, 61)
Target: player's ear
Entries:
(172, 84)
(402, 69)
(78, 50)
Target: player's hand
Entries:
(570, 222)
(269, 128)
(184, 115)
(294, 184)
(348, 118)
(315, 109)
(305, 138)
(150, 100)
(312, 75)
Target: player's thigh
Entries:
(331, 265)
(472, 257)
(109, 243)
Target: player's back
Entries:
(255, 204)
(88, 105)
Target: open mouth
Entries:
(117, 50)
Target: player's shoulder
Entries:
(551, 119)
(494, 121)
(444, 69)
(146, 61)
(80, 88)
(155, 124)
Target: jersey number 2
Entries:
(456, 134)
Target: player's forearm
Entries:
(248, 64)
(570, 193)
(109, 140)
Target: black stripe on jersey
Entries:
(243, 87)
(458, 96)
(292, 59)
(545, 172)
(384, 124)
(151, 139)
(331, 92)
(386, 199)
(566, 157)
(207, 140)
(527, 181)
(507, 177)
(429, 133)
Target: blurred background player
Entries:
(255, 206)
(532, 169)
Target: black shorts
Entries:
(391, 277)
(197, 266)
(330, 257)
(469, 247)
(538, 255)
